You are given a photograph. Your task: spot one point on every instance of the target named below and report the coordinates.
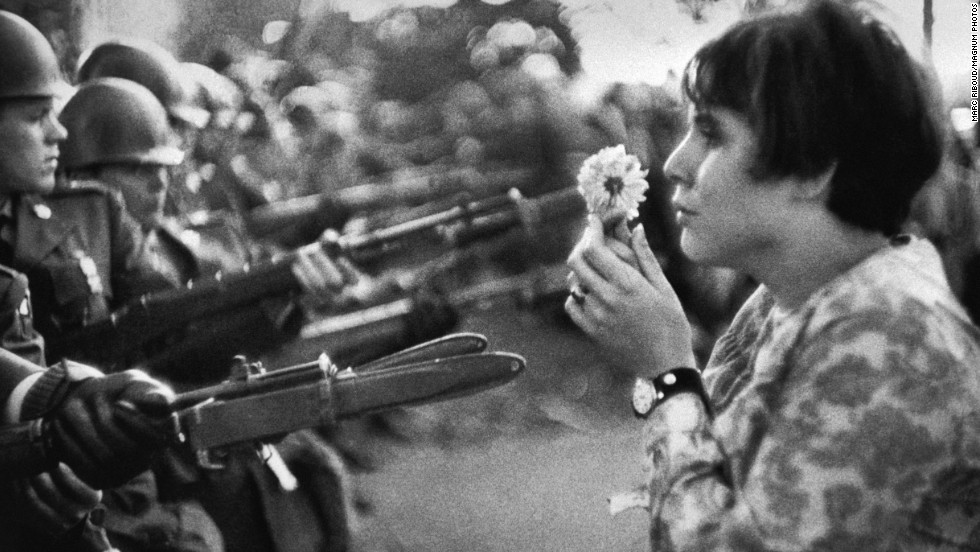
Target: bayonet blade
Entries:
(355, 393)
(446, 346)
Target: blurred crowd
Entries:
(284, 135)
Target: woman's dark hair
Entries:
(826, 84)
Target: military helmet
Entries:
(112, 120)
(216, 93)
(149, 64)
(28, 64)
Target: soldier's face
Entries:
(144, 188)
(29, 138)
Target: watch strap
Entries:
(675, 381)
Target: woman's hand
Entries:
(625, 303)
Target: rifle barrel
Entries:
(466, 211)
(545, 281)
(398, 189)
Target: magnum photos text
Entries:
(974, 98)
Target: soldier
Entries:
(155, 68)
(57, 509)
(83, 254)
(152, 66)
(98, 450)
(118, 134)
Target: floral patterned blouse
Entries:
(851, 422)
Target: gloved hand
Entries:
(52, 502)
(108, 428)
(54, 511)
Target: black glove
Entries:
(107, 429)
(48, 512)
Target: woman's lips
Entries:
(684, 215)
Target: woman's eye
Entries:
(710, 133)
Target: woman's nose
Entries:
(679, 168)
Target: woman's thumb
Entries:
(649, 266)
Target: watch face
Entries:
(644, 396)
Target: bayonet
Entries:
(258, 406)
(447, 346)
(349, 393)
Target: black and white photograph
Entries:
(489, 276)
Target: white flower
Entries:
(613, 184)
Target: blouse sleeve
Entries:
(836, 453)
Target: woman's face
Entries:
(727, 217)
(29, 138)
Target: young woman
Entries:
(841, 411)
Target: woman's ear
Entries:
(816, 187)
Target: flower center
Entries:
(614, 186)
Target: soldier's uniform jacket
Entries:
(83, 255)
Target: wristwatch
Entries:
(649, 392)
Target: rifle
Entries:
(402, 187)
(350, 335)
(118, 339)
(259, 406)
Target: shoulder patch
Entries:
(13, 288)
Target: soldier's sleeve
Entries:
(17, 333)
(22, 353)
